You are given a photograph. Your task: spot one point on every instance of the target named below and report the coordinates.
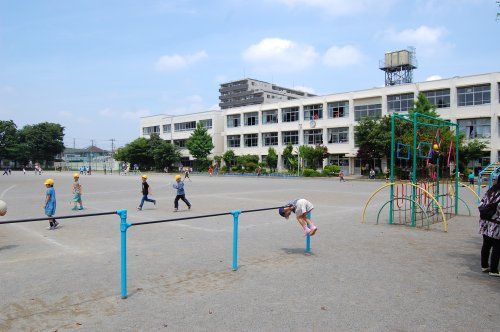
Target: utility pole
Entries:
(74, 143)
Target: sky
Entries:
(96, 67)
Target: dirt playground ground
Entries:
(358, 277)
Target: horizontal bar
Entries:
(265, 209)
(177, 219)
(58, 217)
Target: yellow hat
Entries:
(177, 177)
(49, 182)
(144, 176)
(76, 175)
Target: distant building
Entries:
(253, 92)
(92, 153)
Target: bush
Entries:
(308, 172)
(331, 170)
(235, 169)
(223, 169)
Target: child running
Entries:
(301, 207)
(179, 185)
(50, 203)
(77, 192)
(146, 190)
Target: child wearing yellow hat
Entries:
(181, 194)
(77, 192)
(50, 203)
(146, 190)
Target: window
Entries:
(233, 141)
(400, 103)
(313, 112)
(233, 120)
(290, 114)
(338, 135)
(290, 137)
(150, 130)
(270, 116)
(269, 139)
(313, 136)
(167, 128)
(180, 143)
(474, 95)
(251, 119)
(251, 140)
(372, 111)
(475, 128)
(185, 126)
(338, 159)
(438, 98)
(338, 109)
(207, 124)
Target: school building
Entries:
(471, 101)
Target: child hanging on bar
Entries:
(301, 207)
(50, 203)
(179, 185)
(77, 192)
(146, 190)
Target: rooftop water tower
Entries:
(398, 66)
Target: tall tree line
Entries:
(40, 142)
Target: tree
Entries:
(42, 141)
(471, 151)
(272, 159)
(373, 138)
(136, 152)
(164, 154)
(313, 156)
(289, 160)
(229, 158)
(200, 144)
(9, 140)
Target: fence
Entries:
(124, 226)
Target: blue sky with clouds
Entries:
(97, 66)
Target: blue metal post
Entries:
(123, 230)
(308, 237)
(236, 214)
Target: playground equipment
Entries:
(424, 178)
(124, 226)
(487, 174)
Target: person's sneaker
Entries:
(50, 228)
(313, 230)
(139, 208)
(307, 231)
(55, 224)
(154, 203)
(189, 207)
(494, 274)
(175, 210)
(485, 269)
(74, 208)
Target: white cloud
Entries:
(82, 120)
(280, 55)
(127, 115)
(429, 41)
(135, 115)
(337, 57)
(108, 113)
(340, 7)
(421, 35)
(305, 89)
(214, 107)
(65, 114)
(433, 78)
(177, 62)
